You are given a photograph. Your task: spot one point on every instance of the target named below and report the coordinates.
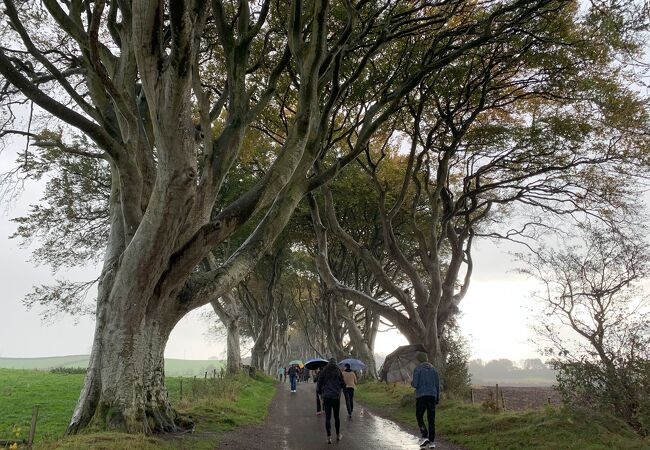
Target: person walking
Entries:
(319, 409)
(281, 374)
(427, 395)
(293, 375)
(350, 379)
(329, 386)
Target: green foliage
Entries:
(622, 390)
(454, 373)
(476, 429)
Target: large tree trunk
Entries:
(229, 315)
(233, 359)
(125, 383)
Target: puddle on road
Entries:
(383, 433)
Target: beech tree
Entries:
(502, 142)
(163, 94)
(591, 286)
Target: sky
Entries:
(495, 318)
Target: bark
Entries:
(229, 315)
(124, 387)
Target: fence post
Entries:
(496, 396)
(181, 388)
(32, 428)
(471, 393)
(206, 376)
(549, 400)
(503, 401)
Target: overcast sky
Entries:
(495, 314)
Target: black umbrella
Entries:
(315, 363)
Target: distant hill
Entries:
(173, 367)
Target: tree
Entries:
(163, 95)
(230, 315)
(592, 289)
(501, 143)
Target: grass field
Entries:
(476, 429)
(173, 367)
(216, 405)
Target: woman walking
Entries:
(330, 383)
(319, 409)
(350, 379)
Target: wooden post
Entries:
(181, 388)
(32, 428)
(503, 401)
(496, 396)
(471, 393)
(206, 376)
(549, 400)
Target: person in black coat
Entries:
(329, 386)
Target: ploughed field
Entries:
(518, 398)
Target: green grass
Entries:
(215, 406)
(20, 390)
(173, 367)
(45, 363)
(476, 429)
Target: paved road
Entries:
(292, 424)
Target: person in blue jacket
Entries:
(427, 395)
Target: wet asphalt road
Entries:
(292, 424)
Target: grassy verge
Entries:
(476, 429)
(215, 406)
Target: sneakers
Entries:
(329, 439)
(349, 416)
(432, 445)
(424, 442)
(339, 437)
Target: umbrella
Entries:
(315, 363)
(296, 362)
(400, 364)
(355, 364)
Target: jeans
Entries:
(349, 398)
(292, 378)
(426, 403)
(329, 405)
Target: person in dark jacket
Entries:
(318, 402)
(427, 395)
(329, 386)
(293, 376)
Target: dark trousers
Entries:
(329, 405)
(318, 407)
(292, 378)
(349, 399)
(426, 403)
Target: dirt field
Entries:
(518, 398)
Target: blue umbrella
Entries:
(355, 364)
(315, 363)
